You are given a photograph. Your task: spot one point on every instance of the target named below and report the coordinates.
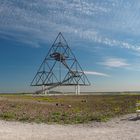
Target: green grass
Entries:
(138, 107)
(66, 109)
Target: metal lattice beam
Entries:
(60, 67)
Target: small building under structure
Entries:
(60, 68)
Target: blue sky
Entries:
(103, 34)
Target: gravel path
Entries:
(124, 128)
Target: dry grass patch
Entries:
(65, 109)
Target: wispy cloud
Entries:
(96, 73)
(86, 19)
(98, 38)
(115, 62)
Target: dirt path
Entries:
(124, 128)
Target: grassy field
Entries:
(65, 109)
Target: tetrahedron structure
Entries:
(60, 67)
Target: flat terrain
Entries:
(126, 127)
(66, 109)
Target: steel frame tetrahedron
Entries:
(60, 67)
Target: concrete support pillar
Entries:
(43, 91)
(46, 90)
(77, 89)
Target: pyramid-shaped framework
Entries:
(60, 67)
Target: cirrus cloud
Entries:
(115, 63)
(34, 22)
(96, 73)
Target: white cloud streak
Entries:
(96, 73)
(115, 63)
(40, 21)
(96, 37)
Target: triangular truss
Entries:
(60, 67)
